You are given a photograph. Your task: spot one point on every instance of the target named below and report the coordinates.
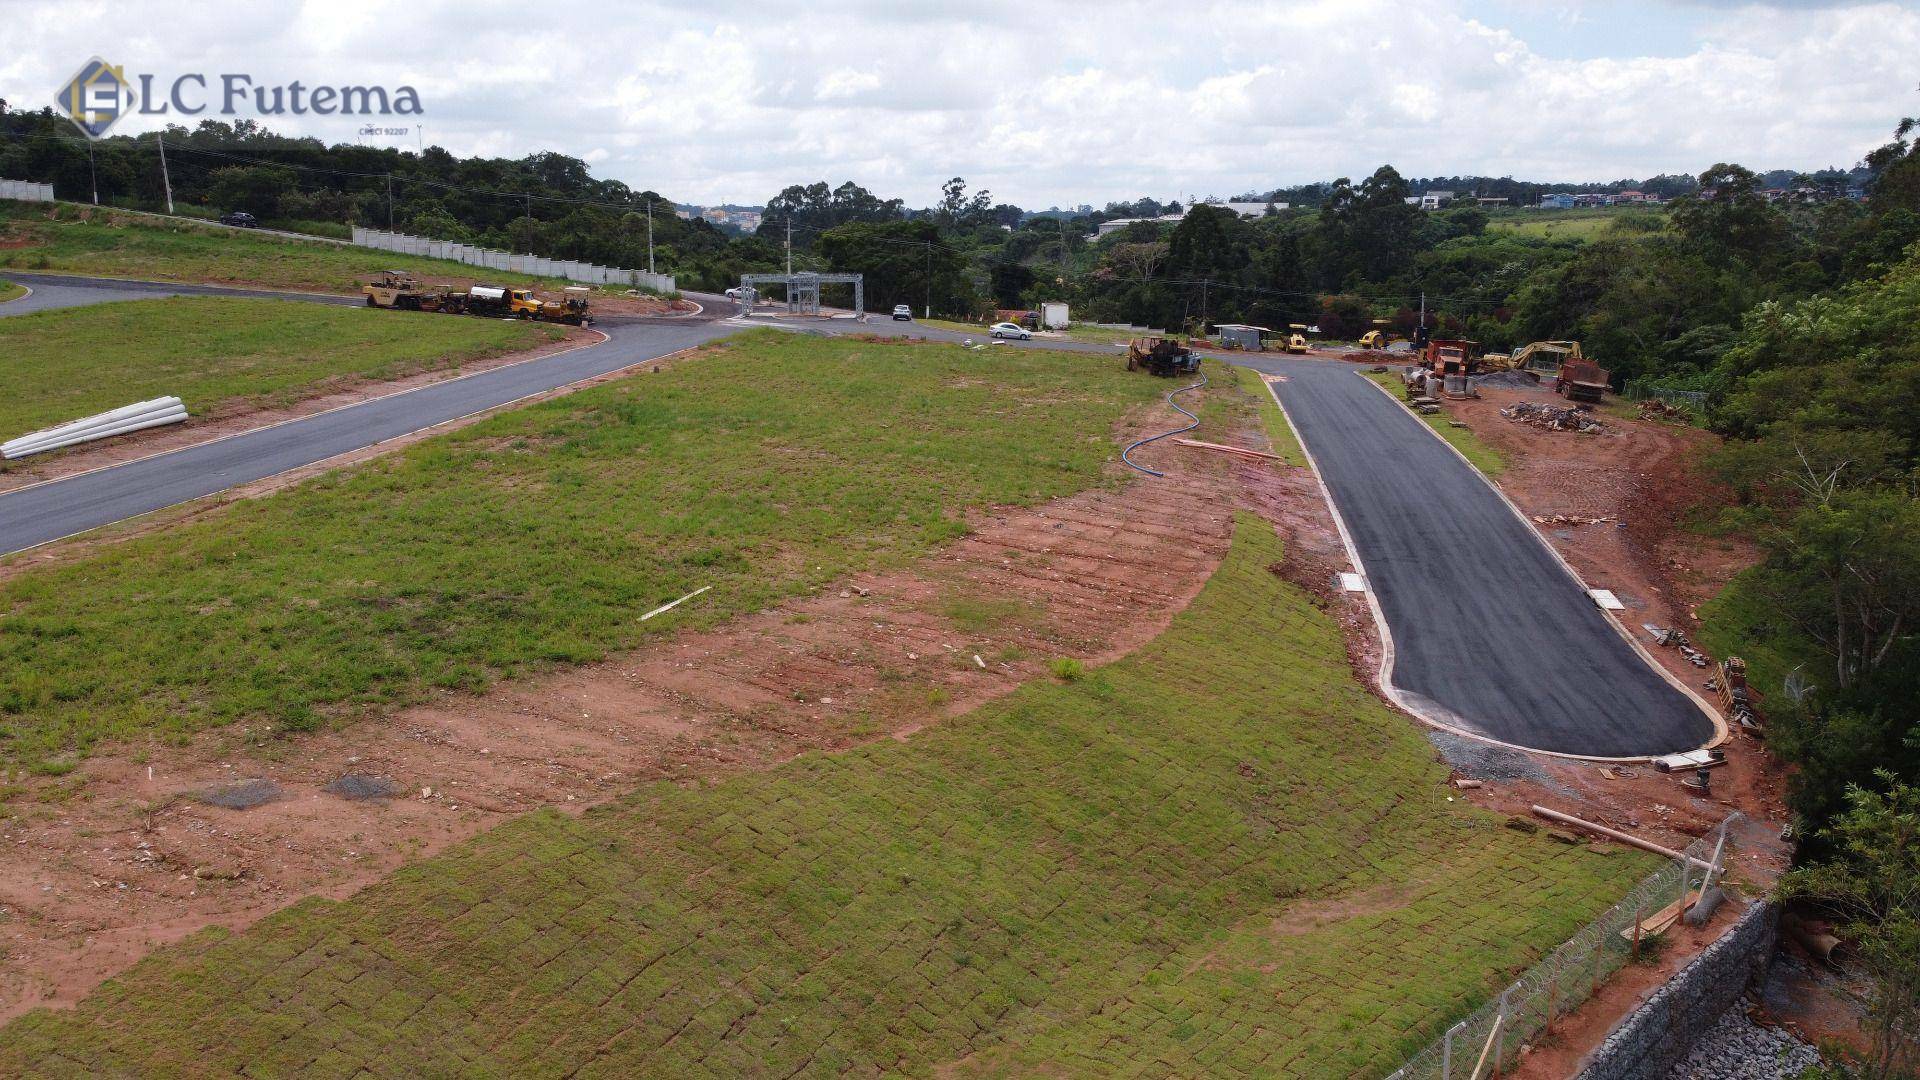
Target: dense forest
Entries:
(1795, 318)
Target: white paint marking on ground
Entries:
(664, 608)
(1606, 599)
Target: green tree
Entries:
(1873, 884)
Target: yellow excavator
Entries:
(1544, 357)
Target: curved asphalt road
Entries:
(1491, 633)
(60, 508)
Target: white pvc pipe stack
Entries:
(136, 417)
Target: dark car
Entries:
(240, 218)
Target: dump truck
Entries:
(1164, 357)
(1583, 380)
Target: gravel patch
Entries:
(1736, 1048)
(244, 795)
(360, 786)
(1482, 761)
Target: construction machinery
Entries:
(400, 291)
(1374, 340)
(1451, 361)
(395, 289)
(1297, 338)
(1583, 380)
(1545, 358)
(1164, 357)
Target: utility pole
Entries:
(649, 236)
(789, 245)
(93, 173)
(389, 202)
(165, 181)
(929, 312)
(1423, 309)
(529, 222)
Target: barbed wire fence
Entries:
(1488, 1041)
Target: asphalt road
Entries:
(62, 291)
(59, 508)
(1491, 633)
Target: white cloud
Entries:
(1044, 101)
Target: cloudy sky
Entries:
(1045, 103)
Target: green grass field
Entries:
(1220, 855)
(211, 352)
(1278, 430)
(1484, 457)
(9, 290)
(775, 464)
(130, 246)
(1584, 223)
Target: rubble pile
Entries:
(1554, 417)
(1674, 639)
(1570, 519)
(1655, 409)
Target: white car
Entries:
(902, 313)
(1011, 330)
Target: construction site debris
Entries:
(1665, 635)
(1466, 785)
(1616, 834)
(1656, 409)
(1554, 417)
(1223, 448)
(1692, 759)
(1571, 519)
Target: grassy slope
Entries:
(538, 536)
(130, 246)
(1587, 223)
(73, 362)
(1285, 443)
(9, 290)
(1221, 854)
(1484, 457)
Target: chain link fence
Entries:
(1488, 1041)
(1643, 390)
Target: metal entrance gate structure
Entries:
(803, 290)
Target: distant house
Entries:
(1434, 200)
(1490, 201)
(1253, 209)
(1108, 228)
(1556, 202)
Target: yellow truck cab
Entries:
(521, 304)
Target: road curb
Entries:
(1720, 729)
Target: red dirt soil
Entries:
(98, 868)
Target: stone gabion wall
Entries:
(1656, 1036)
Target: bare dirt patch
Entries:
(99, 867)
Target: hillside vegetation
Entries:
(1222, 854)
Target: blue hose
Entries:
(1164, 434)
